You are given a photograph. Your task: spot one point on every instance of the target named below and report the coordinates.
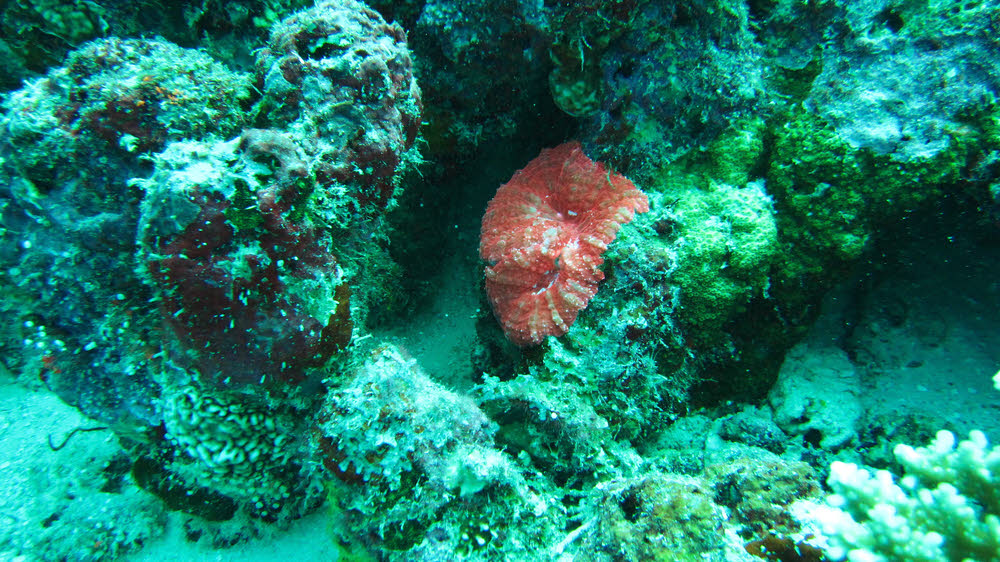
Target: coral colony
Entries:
(543, 236)
(749, 250)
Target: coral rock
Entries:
(343, 77)
(543, 235)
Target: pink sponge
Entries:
(543, 235)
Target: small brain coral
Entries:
(543, 235)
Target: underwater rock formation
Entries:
(249, 288)
(71, 143)
(416, 472)
(172, 262)
(342, 78)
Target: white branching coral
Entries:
(945, 508)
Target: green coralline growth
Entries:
(833, 198)
(37, 34)
(658, 518)
(721, 226)
(729, 240)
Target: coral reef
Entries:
(239, 449)
(759, 491)
(211, 243)
(581, 33)
(685, 286)
(37, 35)
(543, 235)
(118, 98)
(557, 427)
(725, 239)
(658, 518)
(833, 197)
